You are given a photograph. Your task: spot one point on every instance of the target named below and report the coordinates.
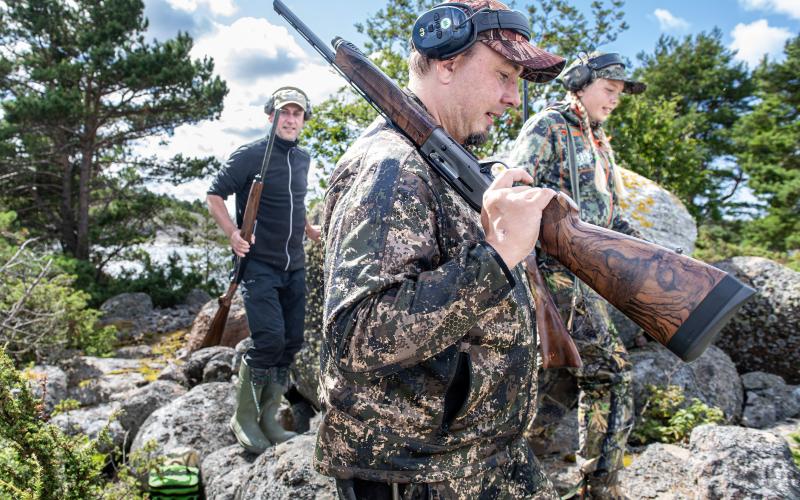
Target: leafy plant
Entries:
(666, 419)
(40, 310)
(794, 444)
(37, 461)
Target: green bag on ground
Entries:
(175, 481)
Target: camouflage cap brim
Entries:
(538, 65)
(617, 72)
(290, 96)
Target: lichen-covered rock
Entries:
(92, 422)
(134, 352)
(719, 462)
(659, 473)
(236, 327)
(735, 462)
(223, 471)
(768, 400)
(711, 378)
(93, 381)
(196, 299)
(195, 366)
(285, 471)
(765, 333)
(658, 214)
(198, 419)
(48, 383)
(128, 312)
(140, 403)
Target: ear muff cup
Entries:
(269, 106)
(577, 78)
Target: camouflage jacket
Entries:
(428, 369)
(542, 149)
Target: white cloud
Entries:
(753, 41)
(217, 7)
(790, 8)
(243, 118)
(668, 22)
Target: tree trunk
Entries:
(84, 194)
(69, 242)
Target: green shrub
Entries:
(166, 283)
(720, 242)
(40, 310)
(666, 419)
(794, 444)
(37, 461)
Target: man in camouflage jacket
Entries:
(428, 366)
(543, 148)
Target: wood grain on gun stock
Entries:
(558, 349)
(413, 120)
(653, 286)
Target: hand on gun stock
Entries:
(239, 245)
(511, 215)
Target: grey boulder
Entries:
(768, 400)
(223, 471)
(48, 383)
(765, 333)
(198, 419)
(285, 471)
(711, 378)
(140, 403)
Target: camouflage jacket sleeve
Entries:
(539, 149)
(396, 292)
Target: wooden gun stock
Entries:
(217, 327)
(679, 301)
(558, 349)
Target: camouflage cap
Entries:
(289, 95)
(610, 72)
(538, 65)
(617, 72)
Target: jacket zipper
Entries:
(291, 210)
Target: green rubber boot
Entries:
(270, 401)
(244, 422)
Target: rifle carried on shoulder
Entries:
(680, 302)
(217, 328)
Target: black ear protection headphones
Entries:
(451, 28)
(583, 74)
(269, 106)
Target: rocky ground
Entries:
(161, 392)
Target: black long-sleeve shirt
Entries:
(282, 212)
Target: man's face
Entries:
(600, 98)
(484, 85)
(290, 123)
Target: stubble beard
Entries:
(476, 138)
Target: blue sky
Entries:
(256, 51)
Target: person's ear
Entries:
(445, 69)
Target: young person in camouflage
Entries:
(428, 366)
(543, 148)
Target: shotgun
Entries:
(680, 302)
(217, 327)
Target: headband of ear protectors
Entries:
(269, 106)
(451, 28)
(582, 75)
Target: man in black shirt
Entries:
(273, 286)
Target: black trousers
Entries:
(275, 302)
